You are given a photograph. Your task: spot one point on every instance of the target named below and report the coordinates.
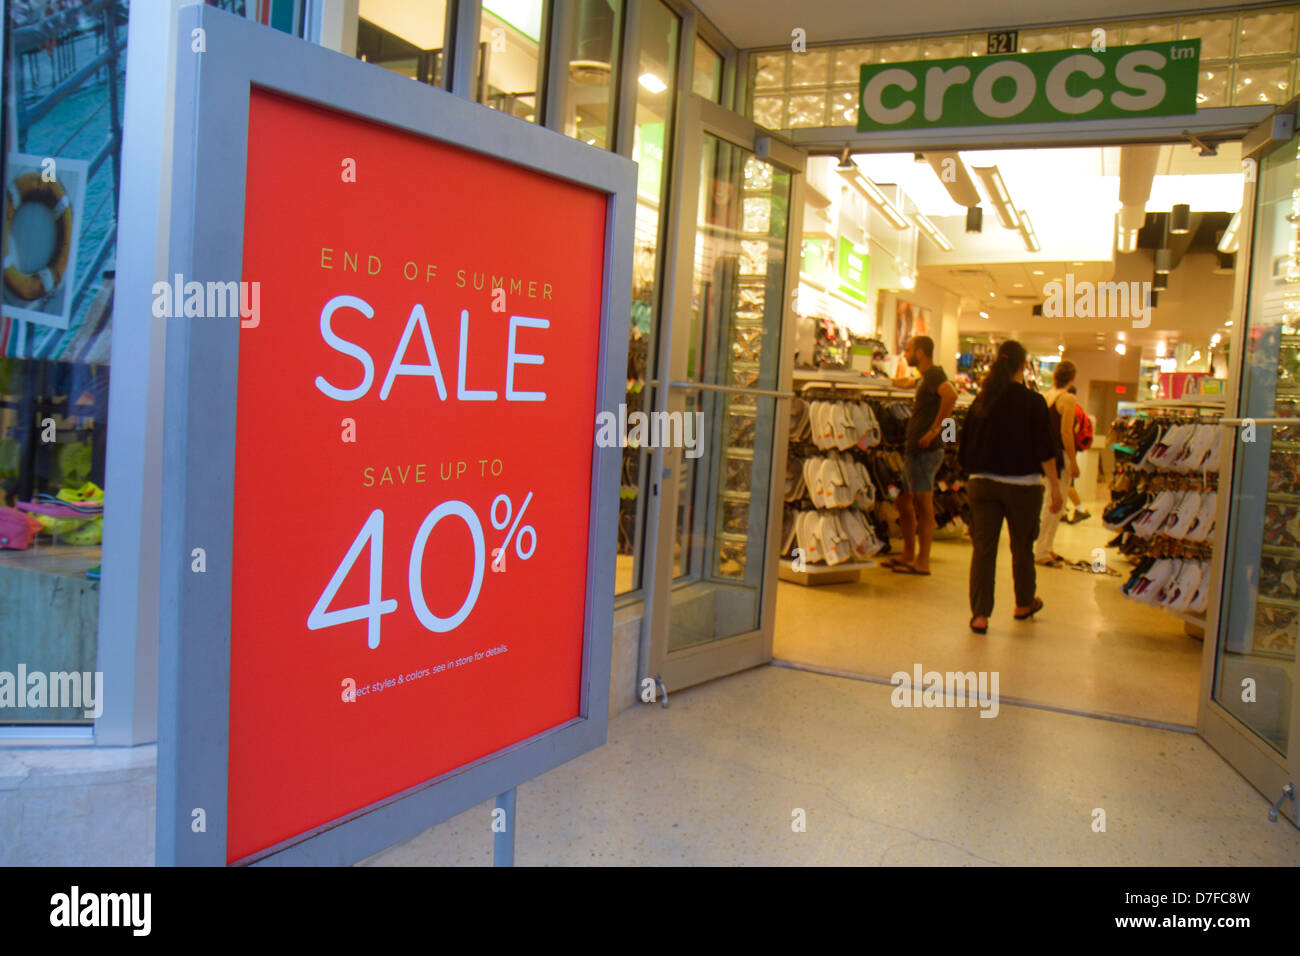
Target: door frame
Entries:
(1252, 757)
(728, 655)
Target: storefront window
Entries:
(60, 170)
(651, 147)
(509, 75)
(407, 38)
(593, 63)
(707, 74)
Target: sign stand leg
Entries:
(503, 836)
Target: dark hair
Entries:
(924, 344)
(1064, 374)
(1011, 359)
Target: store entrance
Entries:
(1060, 250)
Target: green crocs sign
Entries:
(1153, 79)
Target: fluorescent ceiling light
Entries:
(984, 315)
(1228, 242)
(931, 231)
(652, 83)
(1027, 233)
(954, 177)
(872, 193)
(998, 195)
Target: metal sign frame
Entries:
(210, 144)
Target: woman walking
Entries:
(1007, 447)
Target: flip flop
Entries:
(901, 568)
(979, 630)
(1050, 563)
(890, 562)
(1038, 606)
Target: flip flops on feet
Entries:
(900, 568)
(1038, 606)
(979, 628)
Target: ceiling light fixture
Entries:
(872, 193)
(652, 83)
(1126, 237)
(952, 172)
(1228, 241)
(931, 231)
(998, 195)
(974, 219)
(1027, 233)
(1180, 219)
(984, 315)
(1121, 348)
(1161, 349)
(1164, 261)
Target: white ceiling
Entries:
(765, 23)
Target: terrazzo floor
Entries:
(718, 777)
(721, 775)
(1090, 649)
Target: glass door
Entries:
(1250, 716)
(716, 554)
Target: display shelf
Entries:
(1291, 603)
(1282, 498)
(817, 574)
(1280, 551)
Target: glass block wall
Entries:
(1247, 58)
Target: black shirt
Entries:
(924, 409)
(1012, 438)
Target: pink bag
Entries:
(17, 529)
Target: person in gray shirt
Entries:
(922, 454)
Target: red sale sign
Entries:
(413, 459)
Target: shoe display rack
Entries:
(1164, 497)
(836, 386)
(1277, 602)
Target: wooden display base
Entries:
(814, 574)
